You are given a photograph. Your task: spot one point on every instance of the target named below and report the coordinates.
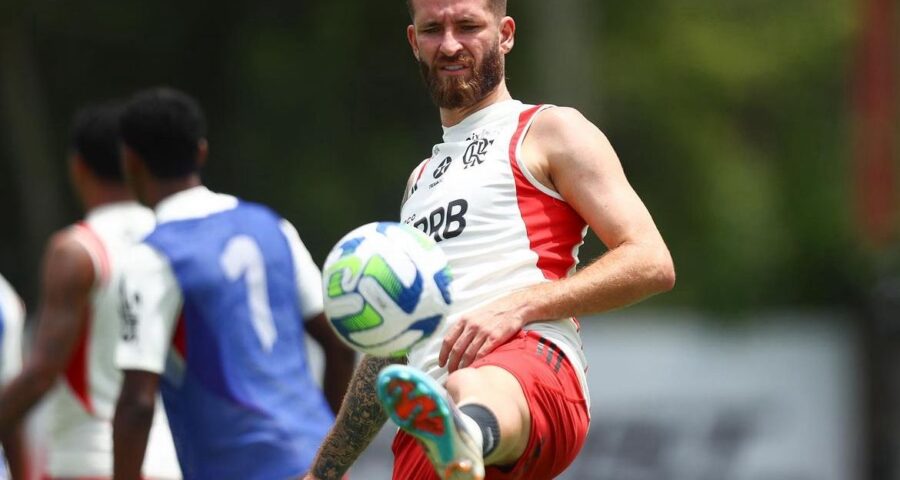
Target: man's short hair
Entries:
(95, 138)
(497, 7)
(164, 126)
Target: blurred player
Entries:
(78, 317)
(508, 194)
(217, 298)
(12, 319)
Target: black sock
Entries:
(487, 422)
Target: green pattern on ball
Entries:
(335, 274)
(364, 320)
(376, 268)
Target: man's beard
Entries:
(454, 92)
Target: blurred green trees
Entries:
(736, 118)
(731, 118)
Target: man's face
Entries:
(458, 44)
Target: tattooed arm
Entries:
(358, 421)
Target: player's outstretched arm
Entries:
(358, 421)
(339, 360)
(68, 276)
(132, 421)
(567, 153)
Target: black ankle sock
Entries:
(487, 422)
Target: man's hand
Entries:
(478, 332)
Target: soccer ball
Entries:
(386, 288)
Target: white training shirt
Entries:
(80, 409)
(12, 314)
(12, 320)
(150, 275)
(501, 229)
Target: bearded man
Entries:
(500, 392)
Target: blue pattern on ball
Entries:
(427, 325)
(408, 298)
(442, 279)
(383, 226)
(350, 246)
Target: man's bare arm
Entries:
(357, 423)
(68, 277)
(567, 153)
(132, 422)
(576, 159)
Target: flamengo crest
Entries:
(476, 151)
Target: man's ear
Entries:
(507, 34)
(77, 168)
(413, 41)
(202, 152)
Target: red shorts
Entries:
(559, 415)
(76, 478)
(45, 477)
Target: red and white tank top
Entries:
(80, 411)
(500, 228)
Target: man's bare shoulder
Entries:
(561, 119)
(564, 135)
(67, 261)
(67, 243)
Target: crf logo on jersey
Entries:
(445, 222)
(476, 151)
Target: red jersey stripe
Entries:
(554, 228)
(77, 368)
(95, 246)
(421, 170)
(179, 339)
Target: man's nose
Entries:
(450, 46)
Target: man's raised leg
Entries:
(494, 401)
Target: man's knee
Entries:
(463, 381)
(499, 392)
(491, 386)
